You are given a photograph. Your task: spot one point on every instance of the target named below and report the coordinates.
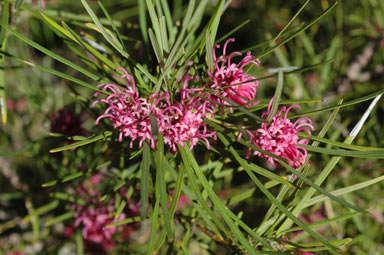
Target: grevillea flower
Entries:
(229, 79)
(94, 216)
(179, 122)
(129, 113)
(184, 121)
(280, 137)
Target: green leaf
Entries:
(209, 50)
(41, 210)
(5, 12)
(115, 43)
(215, 21)
(318, 188)
(155, 22)
(176, 49)
(298, 70)
(113, 25)
(189, 159)
(241, 108)
(349, 103)
(163, 32)
(276, 96)
(123, 222)
(79, 243)
(242, 196)
(152, 235)
(337, 243)
(379, 154)
(343, 191)
(197, 15)
(325, 222)
(161, 188)
(177, 190)
(89, 48)
(232, 31)
(120, 209)
(155, 46)
(143, 19)
(82, 143)
(60, 218)
(289, 23)
(175, 200)
(298, 31)
(54, 72)
(66, 197)
(72, 176)
(144, 181)
(18, 3)
(269, 195)
(169, 22)
(64, 179)
(59, 28)
(204, 211)
(340, 144)
(34, 219)
(53, 55)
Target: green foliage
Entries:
(327, 56)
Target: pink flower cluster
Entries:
(230, 81)
(183, 120)
(131, 114)
(95, 216)
(280, 137)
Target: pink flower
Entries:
(94, 216)
(129, 113)
(184, 121)
(43, 4)
(280, 137)
(179, 122)
(230, 81)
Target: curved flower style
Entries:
(230, 81)
(184, 121)
(280, 137)
(129, 113)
